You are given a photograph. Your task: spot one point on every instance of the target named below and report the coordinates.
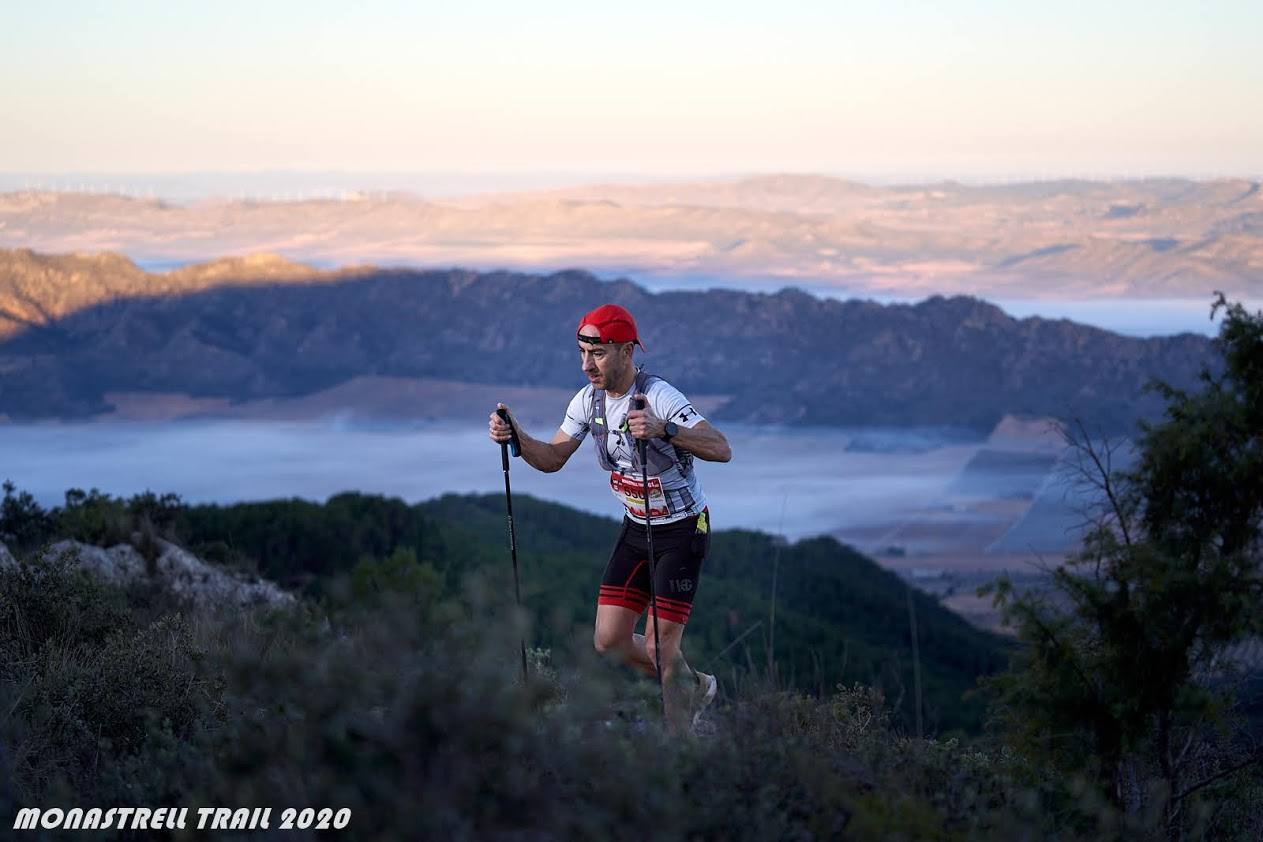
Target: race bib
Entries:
(630, 491)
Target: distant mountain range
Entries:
(76, 329)
(1166, 238)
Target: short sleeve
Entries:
(575, 424)
(669, 404)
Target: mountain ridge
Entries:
(247, 330)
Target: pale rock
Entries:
(176, 568)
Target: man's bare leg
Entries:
(680, 682)
(615, 635)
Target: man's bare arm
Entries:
(702, 440)
(546, 456)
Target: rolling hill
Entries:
(1160, 238)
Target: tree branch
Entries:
(1102, 461)
(1256, 757)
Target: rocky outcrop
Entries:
(177, 569)
(6, 557)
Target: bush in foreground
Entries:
(411, 713)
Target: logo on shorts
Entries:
(684, 585)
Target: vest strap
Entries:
(661, 456)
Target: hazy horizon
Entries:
(288, 185)
(968, 89)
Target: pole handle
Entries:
(642, 446)
(514, 442)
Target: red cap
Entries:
(615, 324)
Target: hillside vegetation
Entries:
(840, 618)
(408, 712)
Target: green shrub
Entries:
(23, 522)
(50, 601)
(399, 573)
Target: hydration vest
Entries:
(661, 455)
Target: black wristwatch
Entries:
(670, 432)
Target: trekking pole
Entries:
(643, 446)
(508, 500)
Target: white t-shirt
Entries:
(673, 494)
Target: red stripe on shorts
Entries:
(673, 613)
(631, 598)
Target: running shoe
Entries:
(707, 687)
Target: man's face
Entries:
(603, 364)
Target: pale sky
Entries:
(953, 89)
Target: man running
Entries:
(675, 433)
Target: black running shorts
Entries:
(680, 548)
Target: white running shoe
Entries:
(708, 695)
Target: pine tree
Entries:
(1127, 674)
